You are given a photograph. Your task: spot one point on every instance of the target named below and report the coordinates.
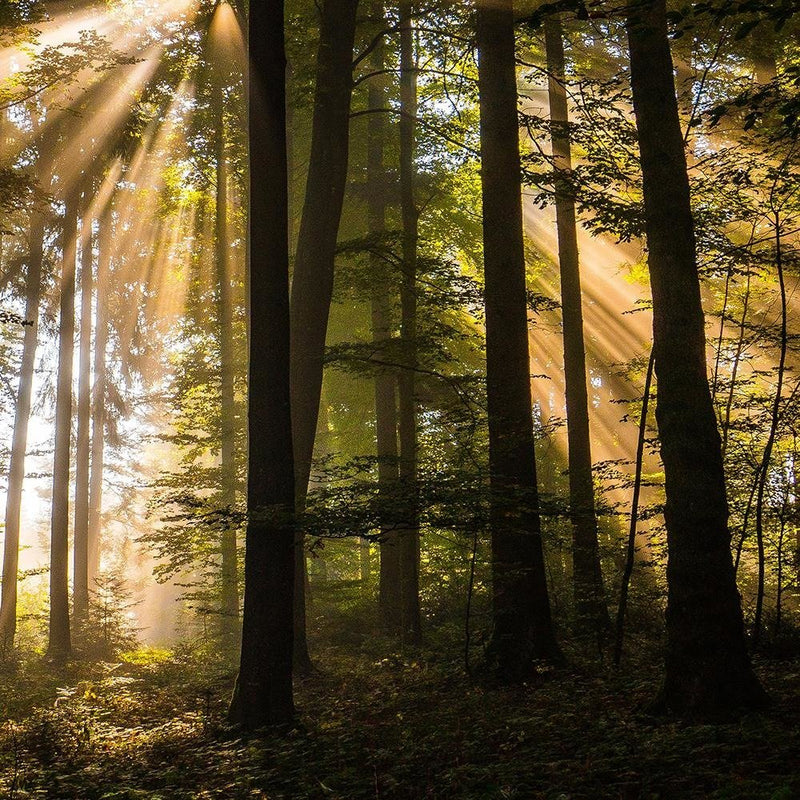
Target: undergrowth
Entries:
(405, 726)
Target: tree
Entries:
(22, 413)
(59, 645)
(590, 604)
(523, 629)
(263, 694)
(80, 594)
(312, 281)
(708, 673)
(389, 580)
(409, 533)
(99, 396)
(228, 468)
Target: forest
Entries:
(400, 399)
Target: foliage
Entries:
(110, 628)
(60, 65)
(153, 726)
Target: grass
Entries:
(410, 725)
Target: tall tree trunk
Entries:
(385, 383)
(590, 604)
(775, 417)
(523, 629)
(80, 569)
(229, 594)
(630, 554)
(708, 673)
(409, 532)
(726, 419)
(783, 519)
(59, 645)
(263, 694)
(99, 398)
(312, 283)
(19, 441)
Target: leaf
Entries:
(745, 28)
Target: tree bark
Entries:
(408, 541)
(389, 603)
(59, 645)
(19, 441)
(630, 554)
(589, 594)
(80, 569)
(523, 628)
(229, 590)
(99, 399)
(775, 418)
(708, 673)
(312, 283)
(263, 694)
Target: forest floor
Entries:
(408, 726)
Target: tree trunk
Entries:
(590, 604)
(630, 554)
(19, 441)
(99, 399)
(726, 420)
(80, 570)
(312, 283)
(263, 694)
(229, 593)
(59, 645)
(523, 628)
(775, 418)
(708, 673)
(409, 532)
(385, 383)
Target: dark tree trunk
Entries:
(630, 554)
(775, 418)
(263, 694)
(590, 604)
(312, 282)
(385, 383)
(19, 441)
(229, 593)
(523, 629)
(59, 645)
(726, 419)
(409, 531)
(708, 673)
(80, 570)
(99, 398)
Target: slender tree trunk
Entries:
(409, 532)
(19, 441)
(523, 629)
(720, 338)
(708, 673)
(80, 569)
(796, 508)
(229, 578)
(630, 555)
(59, 641)
(263, 694)
(365, 567)
(775, 417)
(312, 283)
(726, 420)
(781, 550)
(99, 398)
(590, 604)
(385, 382)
